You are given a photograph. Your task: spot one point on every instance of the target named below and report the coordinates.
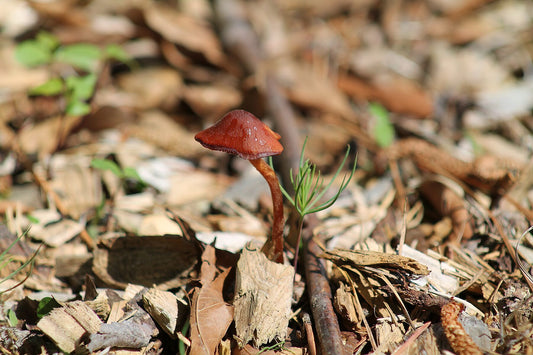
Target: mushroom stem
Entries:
(275, 253)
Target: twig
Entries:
(326, 323)
(403, 349)
(309, 333)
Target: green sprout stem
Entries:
(309, 189)
(5, 259)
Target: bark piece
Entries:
(67, 325)
(344, 305)
(263, 293)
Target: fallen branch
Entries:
(326, 323)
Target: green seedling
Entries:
(383, 129)
(309, 189)
(279, 346)
(125, 174)
(12, 318)
(46, 49)
(6, 258)
(45, 306)
(182, 347)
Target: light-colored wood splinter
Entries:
(67, 325)
(165, 308)
(263, 293)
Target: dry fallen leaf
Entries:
(375, 259)
(210, 314)
(189, 32)
(145, 261)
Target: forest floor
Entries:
(121, 234)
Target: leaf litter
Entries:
(423, 250)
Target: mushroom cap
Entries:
(241, 133)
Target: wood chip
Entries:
(59, 233)
(166, 309)
(263, 294)
(67, 325)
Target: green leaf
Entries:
(383, 129)
(32, 53)
(81, 87)
(114, 51)
(52, 87)
(45, 306)
(77, 108)
(106, 164)
(47, 40)
(82, 55)
(131, 173)
(12, 318)
(32, 219)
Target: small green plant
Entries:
(309, 189)
(12, 318)
(45, 49)
(6, 258)
(279, 346)
(182, 347)
(383, 129)
(126, 174)
(45, 306)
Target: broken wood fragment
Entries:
(166, 309)
(67, 325)
(263, 294)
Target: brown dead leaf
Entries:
(212, 101)
(308, 89)
(448, 203)
(189, 32)
(210, 314)
(145, 261)
(152, 87)
(376, 259)
(397, 95)
(44, 137)
(159, 129)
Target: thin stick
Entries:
(320, 296)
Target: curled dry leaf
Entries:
(210, 314)
(448, 203)
(377, 259)
(145, 261)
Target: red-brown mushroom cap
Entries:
(241, 133)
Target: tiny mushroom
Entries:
(241, 133)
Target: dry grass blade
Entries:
(521, 265)
(360, 308)
(6, 259)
